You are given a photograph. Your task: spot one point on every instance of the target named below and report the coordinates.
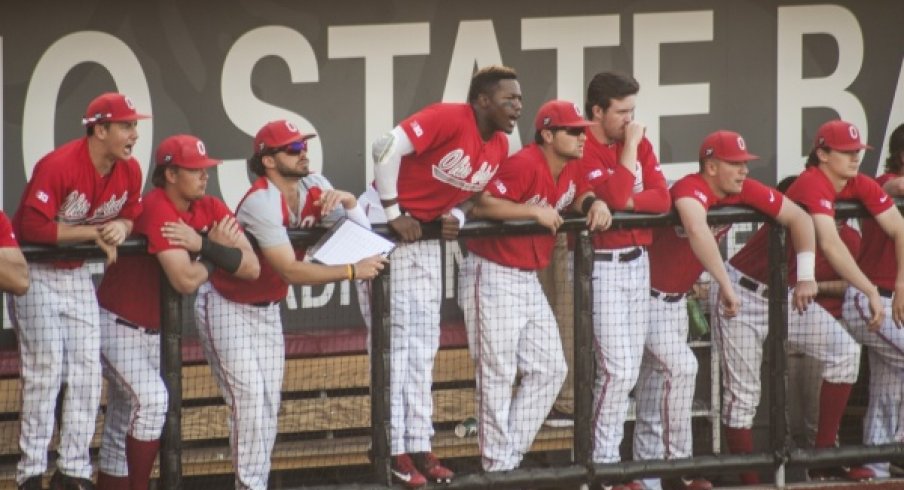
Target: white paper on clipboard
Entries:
(348, 242)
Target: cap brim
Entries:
(134, 117)
(302, 137)
(857, 147)
(579, 124)
(739, 158)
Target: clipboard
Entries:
(348, 242)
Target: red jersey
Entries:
(66, 188)
(7, 235)
(525, 178)
(877, 257)
(117, 291)
(825, 272)
(673, 266)
(613, 183)
(450, 160)
(816, 194)
(264, 213)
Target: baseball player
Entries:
(624, 172)
(86, 190)
(831, 174)
(426, 169)
(511, 327)
(13, 268)
(175, 211)
(805, 372)
(880, 259)
(239, 321)
(678, 256)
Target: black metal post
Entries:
(776, 340)
(379, 376)
(171, 372)
(583, 349)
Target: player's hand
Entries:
(634, 132)
(599, 217)
(897, 306)
(449, 227)
(113, 232)
(729, 304)
(548, 218)
(332, 198)
(804, 294)
(226, 232)
(109, 249)
(408, 228)
(877, 311)
(370, 267)
(179, 234)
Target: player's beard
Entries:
(291, 172)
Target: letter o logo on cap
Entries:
(852, 130)
(741, 144)
(577, 109)
(201, 149)
(129, 103)
(291, 127)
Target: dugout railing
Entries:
(781, 453)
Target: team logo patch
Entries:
(741, 144)
(546, 121)
(595, 174)
(129, 103)
(855, 135)
(418, 131)
(42, 196)
(701, 196)
(708, 151)
(577, 110)
(291, 127)
(826, 203)
(501, 187)
(201, 149)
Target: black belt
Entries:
(753, 285)
(264, 304)
(668, 298)
(886, 293)
(126, 323)
(622, 257)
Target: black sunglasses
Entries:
(572, 131)
(293, 148)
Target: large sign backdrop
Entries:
(772, 70)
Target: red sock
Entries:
(106, 481)
(140, 456)
(740, 441)
(833, 397)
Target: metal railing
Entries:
(780, 455)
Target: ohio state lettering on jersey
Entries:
(877, 257)
(66, 188)
(615, 184)
(525, 178)
(7, 235)
(117, 289)
(450, 160)
(673, 266)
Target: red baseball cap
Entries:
(184, 150)
(560, 114)
(276, 134)
(111, 107)
(840, 136)
(727, 146)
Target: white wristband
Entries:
(460, 215)
(806, 266)
(392, 212)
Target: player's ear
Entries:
(170, 174)
(597, 112)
